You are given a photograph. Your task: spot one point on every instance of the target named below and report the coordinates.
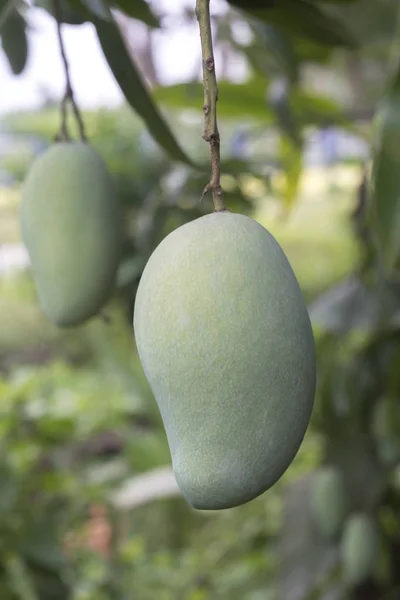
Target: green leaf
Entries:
(140, 10)
(372, 23)
(279, 96)
(336, 1)
(311, 51)
(6, 8)
(15, 42)
(135, 90)
(235, 100)
(253, 4)
(70, 14)
(384, 209)
(291, 159)
(249, 99)
(304, 19)
(98, 8)
(280, 47)
(55, 430)
(316, 110)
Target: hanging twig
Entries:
(211, 133)
(69, 93)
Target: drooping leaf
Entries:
(15, 42)
(336, 1)
(254, 4)
(139, 10)
(99, 8)
(384, 210)
(6, 8)
(370, 23)
(280, 46)
(279, 100)
(69, 13)
(134, 89)
(302, 18)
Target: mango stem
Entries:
(211, 133)
(69, 93)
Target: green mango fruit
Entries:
(329, 501)
(360, 547)
(71, 226)
(226, 343)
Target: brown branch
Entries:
(211, 133)
(69, 93)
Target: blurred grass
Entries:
(317, 235)
(22, 323)
(9, 227)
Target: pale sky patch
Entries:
(177, 51)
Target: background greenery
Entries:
(80, 433)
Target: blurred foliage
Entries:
(78, 418)
(68, 436)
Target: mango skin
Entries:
(359, 548)
(71, 227)
(329, 501)
(225, 341)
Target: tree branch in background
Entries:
(211, 133)
(69, 94)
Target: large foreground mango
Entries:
(70, 224)
(226, 344)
